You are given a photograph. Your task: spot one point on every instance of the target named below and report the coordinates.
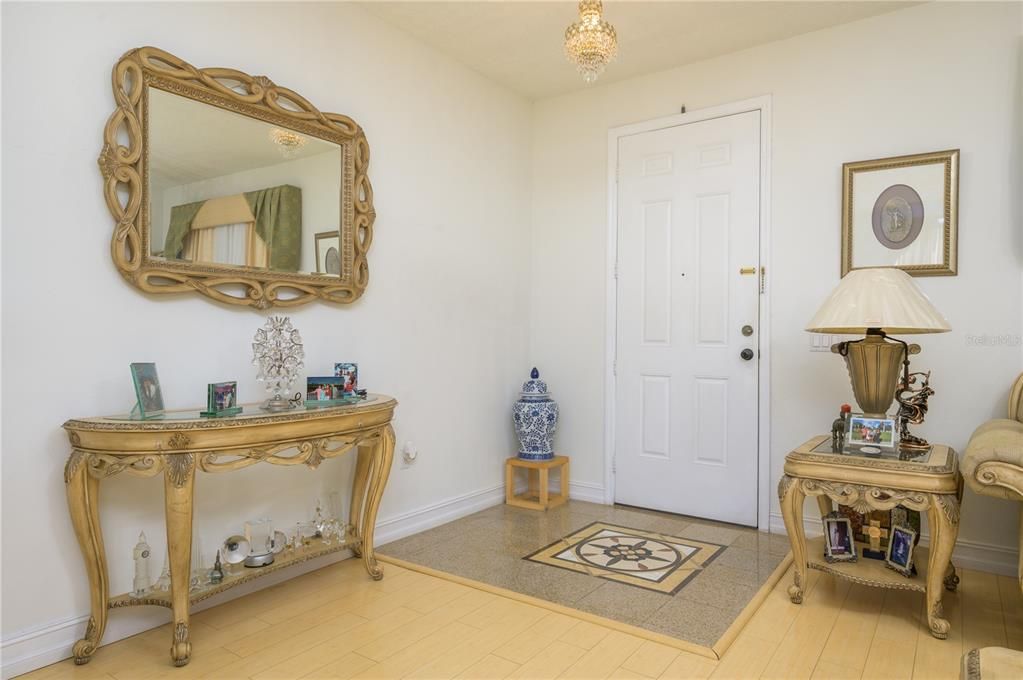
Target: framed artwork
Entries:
(328, 253)
(839, 545)
(148, 395)
(900, 550)
(902, 212)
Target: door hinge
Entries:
(614, 464)
(616, 270)
(614, 367)
(763, 275)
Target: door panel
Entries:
(688, 214)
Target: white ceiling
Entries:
(519, 44)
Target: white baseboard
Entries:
(996, 559)
(50, 643)
(586, 491)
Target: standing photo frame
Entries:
(902, 212)
(148, 395)
(839, 544)
(900, 550)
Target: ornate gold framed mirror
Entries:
(226, 184)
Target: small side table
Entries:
(929, 483)
(537, 496)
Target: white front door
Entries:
(688, 302)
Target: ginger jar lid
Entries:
(534, 387)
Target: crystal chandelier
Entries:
(288, 143)
(591, 42)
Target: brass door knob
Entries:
(746, 354)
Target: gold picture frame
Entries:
(902, 212)
(124, 164)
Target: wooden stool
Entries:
(537, 496)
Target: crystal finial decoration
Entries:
(591, 43)
(278, 355)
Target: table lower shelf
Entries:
(236, 574)
(867, 571)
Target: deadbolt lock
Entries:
(747, 330)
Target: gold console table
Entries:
(180, 443)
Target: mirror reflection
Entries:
(227, 189)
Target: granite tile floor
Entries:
(490, 546)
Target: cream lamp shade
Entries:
(883, 298)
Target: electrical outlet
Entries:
(822, 342)
(409, 454)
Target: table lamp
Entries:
(877, 302)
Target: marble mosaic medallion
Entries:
(657, 562)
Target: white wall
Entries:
(319, 178)
(931, 77)
(443, 325)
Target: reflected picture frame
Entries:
(328, 252)
(902, 212)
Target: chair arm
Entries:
(993, 464)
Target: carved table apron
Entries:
(178, 445)
(930, 484)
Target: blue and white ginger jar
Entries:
(536, 419)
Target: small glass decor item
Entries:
(221, 400)
(278, 354)
(900, 550)
(536, 419)
(148, 396)
(217, 572)
(142, 583)
(164, 582)
(259, 534)
(349, 374)
(197, 578)
(235, 549)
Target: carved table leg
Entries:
(178, 484)
(83, 504)
(381, 469)
(943, 517)
(791, 496)
(362, 465)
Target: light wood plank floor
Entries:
(337, 623)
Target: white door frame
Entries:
(763, 105)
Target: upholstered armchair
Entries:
(993, 466)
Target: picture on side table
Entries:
(839, 545)
(900, 550)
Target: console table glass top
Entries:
(937, 459)
(249, 412)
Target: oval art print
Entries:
(898, 216)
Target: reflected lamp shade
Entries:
(876, 302)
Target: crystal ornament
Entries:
(278, 355)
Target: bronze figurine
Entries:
(912, 409)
